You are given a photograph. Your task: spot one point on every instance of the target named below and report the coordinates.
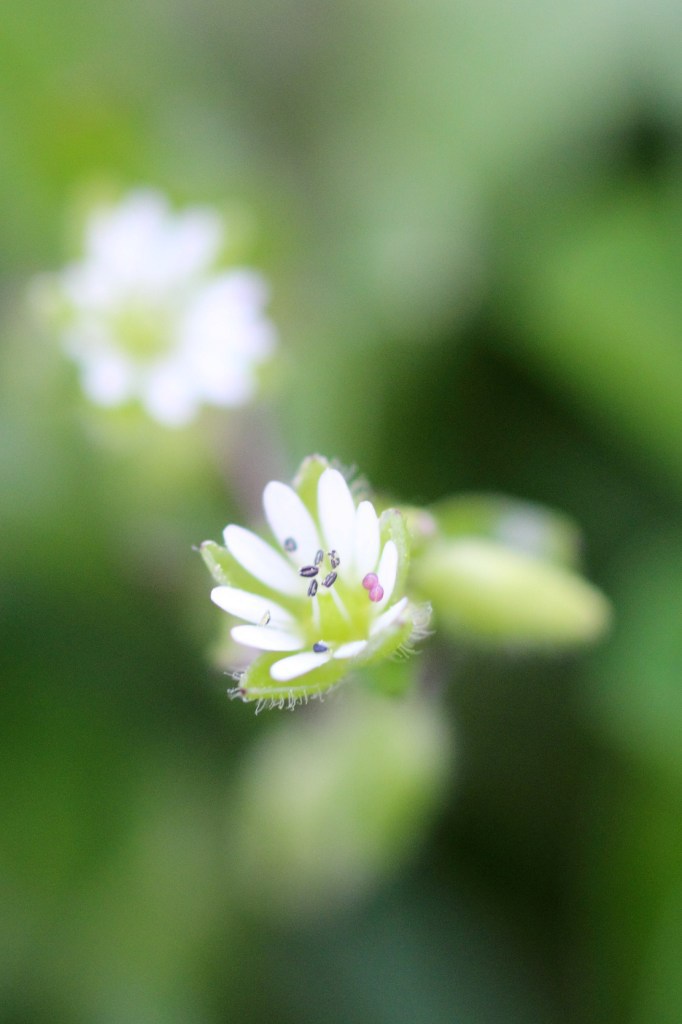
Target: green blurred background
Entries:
(471, 215)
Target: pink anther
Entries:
(370, 581)
(376, 593)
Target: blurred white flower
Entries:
(147, 315)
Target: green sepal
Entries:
(226, 570)
(256, 684)
(307, 479)
(218, 561)
(390, 641)
(392, 526)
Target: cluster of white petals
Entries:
(148, 317)
(307, 602)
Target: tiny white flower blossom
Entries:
(147, 315)
(325, 597)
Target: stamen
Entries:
(290, 544)
(312, 589)
(370, 581)
(334, 559)
(319, 647)
(329, 580)
(339, 604)
(319, 556)
(376, 593)
(308, 570)
(265, 619)
(316, 613)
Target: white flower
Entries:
(147, 316)
(326, 597)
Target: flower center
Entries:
(338, 609)
(143, 330)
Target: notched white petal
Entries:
(387, 619)
(290, 520)
(366, 538)
(388, 570)
(259, 559)
(350, 650)
(336, 510)
(251, 607)
(266, 639)
(286, 669)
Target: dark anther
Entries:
(329, 580)
(312, 589)
(308, 570)
(318, 557)
(319, 647)
(290, 544)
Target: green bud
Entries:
(522, 525)
(336, 800)
(488, 591)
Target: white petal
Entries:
(266, 639)
(350, 650)
(108, 377)
(264, 564)
(124, 241)
(336, 509)
(289, 518)
(168, 395)
(193, 240)
(251, 607)
(388, 570)
(298, 665)
(366, 538)
(387, 619)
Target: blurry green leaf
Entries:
(635, 694)
(597, 296)
(629, 911)
(660, 993)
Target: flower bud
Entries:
(332, 802)
(487, 591)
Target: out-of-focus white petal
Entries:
(262, 561)
(286, 669)
(107, 377)
(168, 395)
(251, 607)
(124, 241)
(192, 244)
(366, 538)
(388, 570)
(220, 377)
(223, 335)
(386, 619)
(85, 287)
(266, 639)
(350, 650)
(336, 510)
(289, 519)
(222, 313)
